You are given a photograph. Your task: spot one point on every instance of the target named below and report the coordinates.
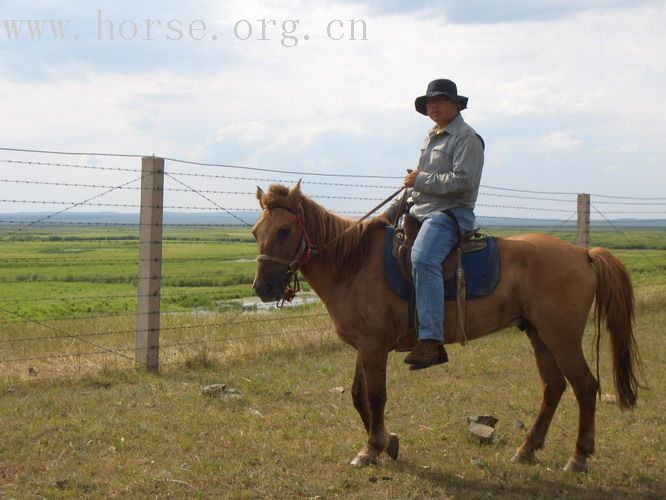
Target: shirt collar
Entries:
(452, 128)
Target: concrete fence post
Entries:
(150, 263)
(583, 228)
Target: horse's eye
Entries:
(284, 232)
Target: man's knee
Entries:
(424, 261)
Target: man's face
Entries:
(441, 110)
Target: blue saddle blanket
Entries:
(482, 271)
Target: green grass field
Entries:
(77, 421)
(41, 268)
(201, 268)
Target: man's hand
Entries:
(410, 178)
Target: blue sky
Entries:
(569, 95)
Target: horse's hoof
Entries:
(393, 446)
(576, 466)
(524, 458)
(362, 460)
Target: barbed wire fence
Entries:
(75, 280)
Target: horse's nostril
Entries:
(269, 287)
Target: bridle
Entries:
(307, 250)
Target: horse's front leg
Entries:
(360, 394)
(369, 395)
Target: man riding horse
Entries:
(547, 287)
(443, 190)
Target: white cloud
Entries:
(630, 147)
(560, 140)
(596, 78)
(275, 135)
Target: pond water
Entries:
(255, 303)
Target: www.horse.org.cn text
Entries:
(288, 33)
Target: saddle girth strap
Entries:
(461, 302)
(461, 287)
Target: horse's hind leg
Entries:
(369, 395)
(564, 339)
(585, 387)
(553, 384)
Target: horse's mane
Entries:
(344, 256)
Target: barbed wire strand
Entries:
(67, 165)
(76, 298)
(76, 262)
(162, 329)
(103, 224)
(120, 351)
(564, 223)
(132, 279)
(100, 195)
(208, 199)
(69, 153)
(64, 333)
(291, 172)
(164, 313)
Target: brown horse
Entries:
(547, 289)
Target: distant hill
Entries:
(219, 218)
(250, 217)
(598, 224)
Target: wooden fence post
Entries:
(150, 263)
(583, 228)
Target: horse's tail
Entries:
(614, 306)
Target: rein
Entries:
(307, 250)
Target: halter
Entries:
(306, 250)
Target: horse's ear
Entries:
(296, 190)
(260, 197)
(295, 195)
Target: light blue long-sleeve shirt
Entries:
(449, 169)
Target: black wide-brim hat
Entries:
(437, 88)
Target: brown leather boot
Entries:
(426, 353)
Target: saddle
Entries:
(403, 240)
(482, 280)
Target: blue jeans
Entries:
(437, 236)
